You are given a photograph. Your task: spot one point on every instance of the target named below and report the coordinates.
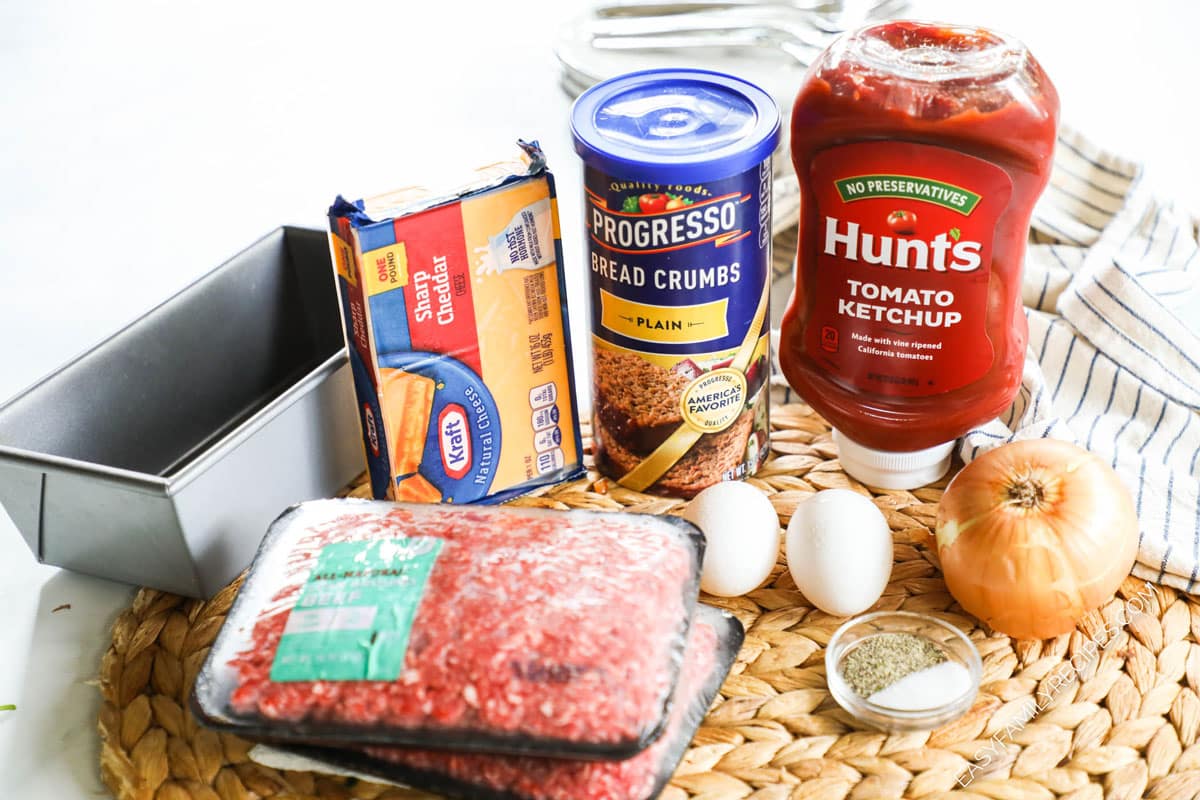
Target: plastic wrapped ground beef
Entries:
(712, 646)
(498, 629)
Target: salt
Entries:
(924, 689)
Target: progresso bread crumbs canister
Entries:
(677, 175)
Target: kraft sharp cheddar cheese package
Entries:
(454, 305)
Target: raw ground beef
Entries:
(539, 631)
(529, 778)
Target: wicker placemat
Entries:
(1123, 726)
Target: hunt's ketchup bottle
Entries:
(921, 150)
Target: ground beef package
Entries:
(507, 630)
(712, 646)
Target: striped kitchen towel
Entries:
(1114, 356)
(1113, 365)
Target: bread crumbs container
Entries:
(677, 176)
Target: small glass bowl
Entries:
(950, 639)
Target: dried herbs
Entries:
(881, 660)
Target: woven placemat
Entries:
(1122, 724)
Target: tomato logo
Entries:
(655, 203)
(902, 222)
(756, 375)
(652, 203)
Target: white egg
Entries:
(741, 533)
(839, 551)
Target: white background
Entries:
(142, 143)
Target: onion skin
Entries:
(1033, 535)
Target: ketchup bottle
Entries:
(921, 150)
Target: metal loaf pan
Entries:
(160, 456)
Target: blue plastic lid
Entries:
(675, 125)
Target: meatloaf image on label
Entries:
(637, 402)
(699, 468)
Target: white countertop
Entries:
(145, 142)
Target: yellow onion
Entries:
(1033, 535)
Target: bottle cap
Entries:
(675, 126)
(891, 469)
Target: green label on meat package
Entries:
(352, 619)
